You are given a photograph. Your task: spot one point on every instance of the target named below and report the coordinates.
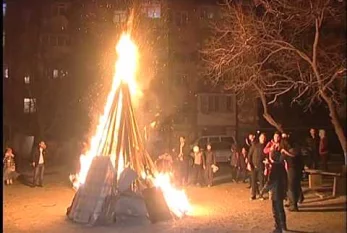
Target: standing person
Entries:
(39, 157)
(242, 166)
(323, 149)
(210, 157)
(198, 166)
(248, 143)
(255, 159)
(312, 146)
(234, 162)
(183, 158)
(272, 146)
(277, 185)
(291, 153)
(9, 166)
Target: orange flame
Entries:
(126, 67)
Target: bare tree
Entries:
(233, 59)
(284, 47)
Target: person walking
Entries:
(210, 157)
(255, 159)
(38, 163)
(277, 186)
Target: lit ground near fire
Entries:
(222, 208)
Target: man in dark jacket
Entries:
(38, 163)
(291, 153)
(312, 146)
(183, 158)
(277, 185)
(255, 160)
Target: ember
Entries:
(117, 137)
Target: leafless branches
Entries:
(281, 47)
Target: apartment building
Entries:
(170, 34)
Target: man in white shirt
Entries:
(39, 164)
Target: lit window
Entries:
(55, 73)
(27, 79)
(119, 17)
(3, 9)
(6, 72)
(29, 105)
(152, 11)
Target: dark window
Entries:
(181, 18)
(214, 139)
(221, 146)
(230, 104)
(202, 142)
(228, 139)
(61, 41)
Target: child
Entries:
(277, 185)
(9, 166)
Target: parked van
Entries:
(221, 145)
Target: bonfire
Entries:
(117, 135)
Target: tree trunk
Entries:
(267, 116)
(336, 123)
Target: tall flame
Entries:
(125, 68)
(125, 72)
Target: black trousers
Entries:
(198, 176)
(314, 160)
(324, 162)
(38, 174)
(278, 214)
(294, 186)
(209, 174)
(257, 175)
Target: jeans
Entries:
(257, 176)
(38, 174)
(278, 214)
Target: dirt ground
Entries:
(222, 208)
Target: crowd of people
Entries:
(273, 166)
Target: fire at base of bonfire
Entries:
(117, 135)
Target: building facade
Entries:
(42, 42)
